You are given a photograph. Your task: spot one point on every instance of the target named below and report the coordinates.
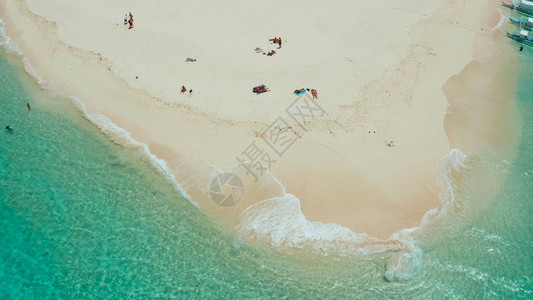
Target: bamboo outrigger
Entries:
(523, 6)
(526, 22)
(521, 36)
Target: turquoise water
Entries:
(82, 217)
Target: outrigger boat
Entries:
(521, 36)
(523, 6)
(526, 22)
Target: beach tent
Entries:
(524, 33)
(530, 22)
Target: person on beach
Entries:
(314, 93)
(28, 106)
(271, 53)
(190, 59)
(276, 41)
(183, 89)
(260, 89)
(131, 21)
(521, 48)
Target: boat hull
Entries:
(520, 39)
(521, 23)
(517, 8)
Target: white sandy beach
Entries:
(378, 66)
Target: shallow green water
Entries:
(82, 217)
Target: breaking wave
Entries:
(280, 222)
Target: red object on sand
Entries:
(260, 89)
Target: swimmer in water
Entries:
(8, 127)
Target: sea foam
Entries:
(280, 222)
(503, 20)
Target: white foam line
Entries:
(280, 222)
(503, 20)
(107, 126)
(101, 121)
(5, 40)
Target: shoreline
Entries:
(312, 210)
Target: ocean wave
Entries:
(448, 168)
(280, 222)
(6, 42)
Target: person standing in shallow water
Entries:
(28, 106)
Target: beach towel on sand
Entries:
(259, 89)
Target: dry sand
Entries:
(378, 66)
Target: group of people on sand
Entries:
(260, 88)
(271, 52)
(263, 89)
(184, 89)
(276, 41)
(314, 93)
(128, 19)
